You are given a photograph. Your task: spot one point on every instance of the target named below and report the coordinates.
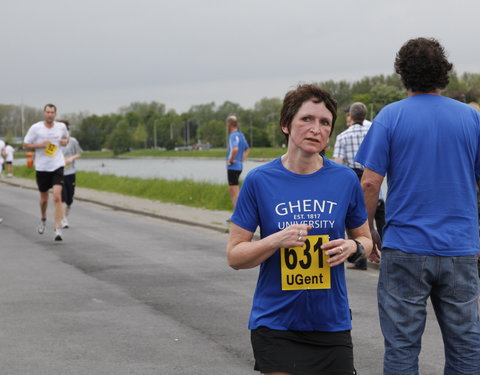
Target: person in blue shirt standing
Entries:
(300, 320)
(237, 152)
(428, 146)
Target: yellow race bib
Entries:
(305, 267)
(51, 149)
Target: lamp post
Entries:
(155, 134)
(251, 136)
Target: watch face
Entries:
(358, 254)
(360, 248)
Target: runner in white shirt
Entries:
(2, 153)
(9, 151)
(46, 137)
(2, 146)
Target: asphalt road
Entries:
(128, 294)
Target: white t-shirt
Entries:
(9, 150)
(50, 158)
(2, 147)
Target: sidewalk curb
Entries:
(131, 210)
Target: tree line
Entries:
(151, 125)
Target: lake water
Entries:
(197, 169)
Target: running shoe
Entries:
(64, 223)
(58, 234)
(41, 227)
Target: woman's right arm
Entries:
(242, 253)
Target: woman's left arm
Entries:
(341, 249)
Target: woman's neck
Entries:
(302, 163)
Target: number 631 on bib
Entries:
(305, 267)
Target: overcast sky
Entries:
(98, 55)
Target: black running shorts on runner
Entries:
(303, 352)
(68, 190)
(45, 180)
(233, 177)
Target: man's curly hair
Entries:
(422, 65)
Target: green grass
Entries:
(185, 192)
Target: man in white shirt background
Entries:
(46, 137)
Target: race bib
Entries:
(305, 267)
(51, 150)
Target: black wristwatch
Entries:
(360, 253)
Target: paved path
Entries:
(128, 294)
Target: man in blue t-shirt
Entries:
(237, 152)
(429, 148)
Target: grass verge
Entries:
(185, 192)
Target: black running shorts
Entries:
(303, 352)
(45, 180)
(233, 177)
(68, 190)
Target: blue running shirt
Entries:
(330, 200)
(429, 148)
(236, 139)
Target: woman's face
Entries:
(310, 128)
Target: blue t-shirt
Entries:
(330, 200)
(236, 139)
(428, 146)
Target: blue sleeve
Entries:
(234, 140)
(357, 212)
(374, 152)
(246, 209)
(477, 161)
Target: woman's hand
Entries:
(292, 236)
(243, 253)
(339, 250)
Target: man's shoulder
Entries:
(37, 124)
(238, 133)
(343, 134)
(350, 131)
(35, 127)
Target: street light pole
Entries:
(251, 136)
(155, 134)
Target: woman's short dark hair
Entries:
(66, 122)
(423, 65)
(295, 98)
